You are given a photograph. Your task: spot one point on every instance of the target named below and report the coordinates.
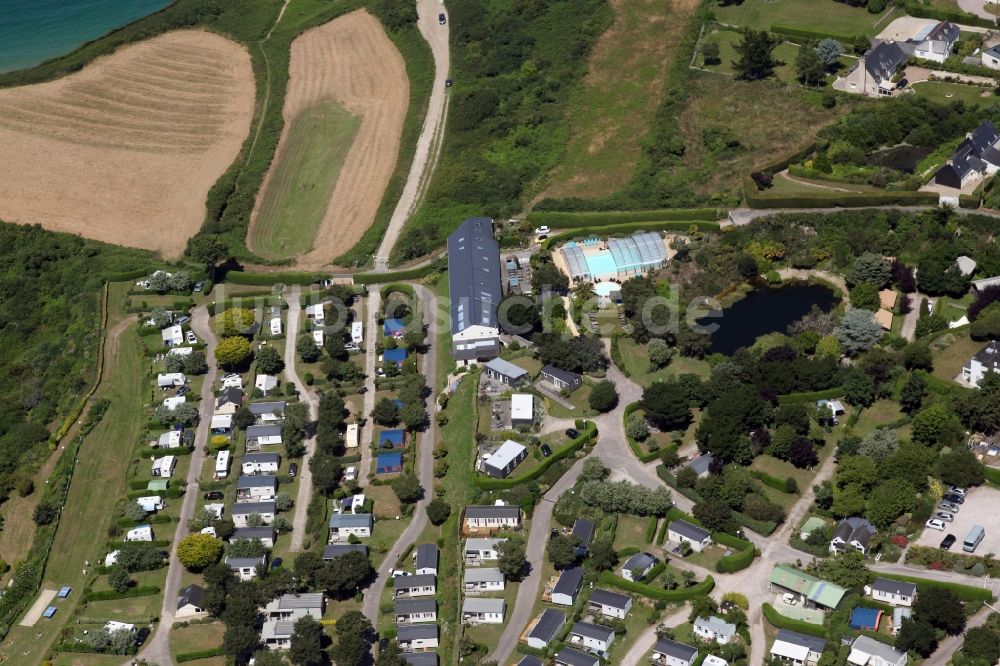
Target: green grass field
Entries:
(951, 352)
(810, 14)
(295, 199)
(939, 91)
(197, 637)
(727, 40)
(636, 359)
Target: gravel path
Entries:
(309, 396)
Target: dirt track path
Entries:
(429, 144)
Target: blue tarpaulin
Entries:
(389, 463)
(865, 618)
(391, 439)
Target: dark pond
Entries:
(901, 158)
(765, 311)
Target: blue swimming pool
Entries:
(601, 264)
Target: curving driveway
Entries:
(977, 7)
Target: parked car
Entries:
(184, 390)
(945, 516)
(447, 83)
(192, 338)
(183, 320)
(789, 598)
(198, 286)
(546, 450)
(954, 498)
(543, 230)
(399, 573)
(293, 469)
(902, 84)
(935, 524)
(141, 635)
(442, 19)
(351, 473)
(947, 542)
(214, 495)
(947, 506)
(955, 490)
(572, 433)
(276, 562)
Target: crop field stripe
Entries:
(296, 198)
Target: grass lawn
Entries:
(68, 659)
(296, 196)
(384, 535)
(782, 469)
(386, 502)
(823, 16)
(940, 91)
(635, 624)
(196, 637)
(953, 308)
(578, 398)
(746, 109)
(785, 53)
(529, 363)
(445, 363)
(489, 634)
(635, 356)
(876, 416)
(631, 532)
(613, 108)
(951, 351)
(706, 558)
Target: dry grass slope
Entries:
(126, 150)
(351, 61)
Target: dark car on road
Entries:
(947, 542)
(293, 469)
(954, 498)
(141, 635)
(442, 19)
(572, 433)
(214, 495)
(546, 450)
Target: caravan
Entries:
(222, 465)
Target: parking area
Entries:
(980, 508)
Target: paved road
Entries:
(947, 647)
(310, 397)
(372, 308)
(157, 650)
(431, 135)
(909, 330)
(424, 467)
(977, 7)
(647, 639)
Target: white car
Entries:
(935, 524)
(351, 473)
(789, 598)
(945, 516)
(399, 573)
(543, 231)
(192, 338)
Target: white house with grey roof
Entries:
(263, 435)
(797, 649)
(268, 413)
(265, 535)
(976, 157)
(591, 637)
(281, 614)
(265, 383)
(867, 651)
(425, 559)
(572, 657)
(713, 628)
(245, 568)
(681, 531)
(333, 550)
(935, 44)
(568, 586)
(479, 550)
(546, 628)
(482, 611)
(672, 653)
(415, 610)
(424, 585)
(343, 525)
(492, 516)
(189, 603)
(985, 360)
(256, 488)
(609, 604)
(506, 373)
(480, 580)
(244, 510)
(873, 73)
(474, 281)
(701, 464)
(638, 566)
(417, 637)
(893, 592)
(853, 533)
(254, 464)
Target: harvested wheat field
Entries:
(125, 150)
(348, 86)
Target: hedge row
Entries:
(289, 277)
(746, 551)
(401, 275)
(811, 396)
(768, 480)
(501, 484)
(836, 199)
(779, 621)
(111, 595)
(200, 654)
(992, 474)
(407, 289)
(738, 561)
(696, 590)
(964, 592)
(159, 453)
(636, 449)
(627, 227)
(651, 529)
(798, 32)
(569, 220)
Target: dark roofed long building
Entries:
(475, 290)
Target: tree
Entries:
(810, 68)
(195, 363)
(344, 575)
(917, 636)
(392, 655)
(385, 412)
(666, 404)
(747, 266)
(802, 453)
(846, 569)
(561, 550)
(240, 641)
(197, 551)
(936, 425)
(890, 500)
(438, 511)
(912, 394)
(407, 488)
(959, 467)
(246, 548)
(941, 608)
(917, 356)
(269, 361)
(118, 579)
(829, 347)
(987, 324)
(637, 428)
(879, 444)
(870, 268)
(829, 51)
(602, 555)
(234, 322)
(307, 643)
(710, 53)
(603, 397)
(512, 561)
(858, 331)
(233, 352)
(714, 514)
(283, 502)
(413, 415)
(756, 55)
(659, 352)
(864, 295)
(353, 639)
(134, 511)
(308, 351)
(625, 497)
(982, 644)
(859, 389)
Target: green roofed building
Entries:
(814, 523)
(811, 589)
(157, 485)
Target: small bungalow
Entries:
(563, 380)
(985, 360)
(415, 611)
(318, 337)
(568, 586)
(583, 532)
(672, 653)
(713, 628)
(342, 526)
(482, 611)
(243, 512)
(265, 383)
(798, 649)
(894, 592)
(245, 568)
(264, 435)
(478, 580)
(265, 535)
(853, 533)
(425, 559)
(701, 464)
(229, 400)
(268, 413)
(415, 586)
(492, 516)
(189, 605)
(357, 334)
(505, 372)
(570, 657)
(637, 566)
(546, 628)
(867, 651)
(478, 550)
(389, 463)
(681, 531)
(417, 637)
(334, 550)
(609, 604)
(504, 460)
(253, 464)
(522, 410)
(835, 407)
(813, 591)
(256, 488)
(593, 637)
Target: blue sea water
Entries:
(33, 31)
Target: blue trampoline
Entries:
(393, 327)
(391, 439)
